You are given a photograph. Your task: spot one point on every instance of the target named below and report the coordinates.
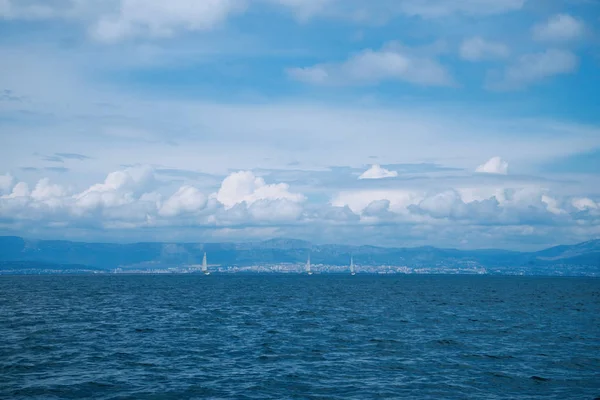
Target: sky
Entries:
(464, 124)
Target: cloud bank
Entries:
(134, 198)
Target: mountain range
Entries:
(19, 254)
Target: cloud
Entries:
(116, 19)
(118, 189)
(494, 165)
(245, 187)
(585, 203)
(157, 18)
(359, 200)
(130, 199)
(536, 67)
(32, 10)
(52, 159)
(479, 49)
(393, 62)
(275, 210)
(187, 199)
(8, 95)
(48, 194)
(559, 28)
(500, 207)
(72, 156)
(377, 172)
(21, 189)
(359, 11)
(441, 8)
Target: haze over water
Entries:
(335, 336)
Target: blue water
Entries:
(318, 337)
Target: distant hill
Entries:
(582, 258)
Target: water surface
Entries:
(321, 337)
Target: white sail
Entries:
(352, 266)
(205, 265)
(308, 270)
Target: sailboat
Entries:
(308, 271)
(352, 272)
(205, 265)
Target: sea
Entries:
(234, 336)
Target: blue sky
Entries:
(468, 124)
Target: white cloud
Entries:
(392, 62)
(360, 200)
(118, 189)
(377, 172)
(436, 209)
(187, 199)
(535, 67)
(113, 20)
(585, 203)
(494, 165)
(559, 28)
(361, 11)
(48, 193)
(21, 189)
(277, 210)
(441, 8)
(247, 201)
(163, 18)
(244, 186)
(19, 9)
(478, 49)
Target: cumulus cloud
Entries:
(130, 199)
(377, 172)
(478, 49)
(393, 62)
(187, 199)
(48, 193)
(163, 18)
(244, 186)
(118, 189)
(559, 28)
(520, 206)
(535, 67)
(494, 165)
(21, 189)
(359, 200)
(275, 210)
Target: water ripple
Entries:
(319, 337)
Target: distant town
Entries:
(287, 256)
(288, 268)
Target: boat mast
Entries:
(205, 265)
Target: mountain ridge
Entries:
(106, 256)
